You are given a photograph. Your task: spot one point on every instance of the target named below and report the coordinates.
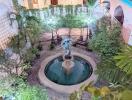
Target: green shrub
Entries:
(20, 90)
(107, 43)
(31, 93)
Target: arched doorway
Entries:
(119, 15)
(54, 2)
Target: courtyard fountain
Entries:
(67, 70)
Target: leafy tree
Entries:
(32, 28)
(73, 21)
(69, 9)
(107, 43)
(91, 2)
(52, 24)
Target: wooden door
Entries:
(54, 2)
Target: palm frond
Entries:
(124, 59)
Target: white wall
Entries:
(8, 3)
(130, 39)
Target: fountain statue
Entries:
(68, 63)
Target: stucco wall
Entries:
(8, 3)
(70, 2)
(42, 3)
(127, 26)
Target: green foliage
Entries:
(96, 93)
(2, 57)
(21, 90)
(103, 93)
(31, 93)
(124, 59)
(52, 23)
(73, 21)
(107, 43)
(30, 55)
(18, 42)
(91, 2)
(75, 96)
(15, 4)
(69, 9)
(6, 65)
(126, 95)
(10, 85)
(33, 28)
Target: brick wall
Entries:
(6, 30)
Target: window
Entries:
(54, 2)
(84, 2)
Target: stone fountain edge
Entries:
(62, 88)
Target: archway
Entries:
(119, 15)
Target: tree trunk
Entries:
(18, 44)
(16, 70)
(87, 37)
(52, 39)
(69, 32)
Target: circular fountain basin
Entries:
(53, 75)
(79, 72)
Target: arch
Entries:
(119, 14)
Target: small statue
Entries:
(68, 63)
(66, 44)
